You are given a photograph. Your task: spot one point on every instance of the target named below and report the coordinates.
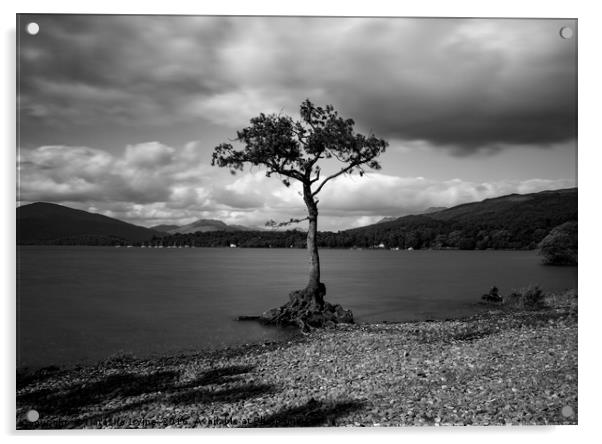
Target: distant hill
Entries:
(164, 228)
(515, 221)
(205, 226)
(534, 208)
(430, 210)
(48, 223)
(508, 222)
(427, 211)
(388, 219)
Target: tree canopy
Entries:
(292, 148)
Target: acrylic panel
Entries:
(246, 221)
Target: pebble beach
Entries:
(496, 368)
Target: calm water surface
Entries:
(80, 304)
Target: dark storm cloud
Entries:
(93, 69)
(125, 51)
(485, 83)
(467, 85)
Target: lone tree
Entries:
(293, 150)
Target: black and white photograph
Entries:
(295, 221)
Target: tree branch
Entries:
(279, 169)
(343, 171)
(273, 224)
(300, 138)
(315, 179)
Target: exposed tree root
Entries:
(307, 308)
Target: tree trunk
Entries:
(312, 249)
(314, 287)
(307, 308)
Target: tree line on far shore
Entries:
(428, 234)
(424, 233)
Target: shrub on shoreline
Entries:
(493, 295)
(563, 299)
(527, 298)
(531, 297)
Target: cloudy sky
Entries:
(119, 114)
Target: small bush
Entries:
(563, 299)
(493, 295)
(528, 298)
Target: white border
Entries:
(590, 74)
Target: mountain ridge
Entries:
(429, 210)
(45, 222)
(514, 221)
(203, 225)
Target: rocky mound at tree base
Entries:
(307, 308)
